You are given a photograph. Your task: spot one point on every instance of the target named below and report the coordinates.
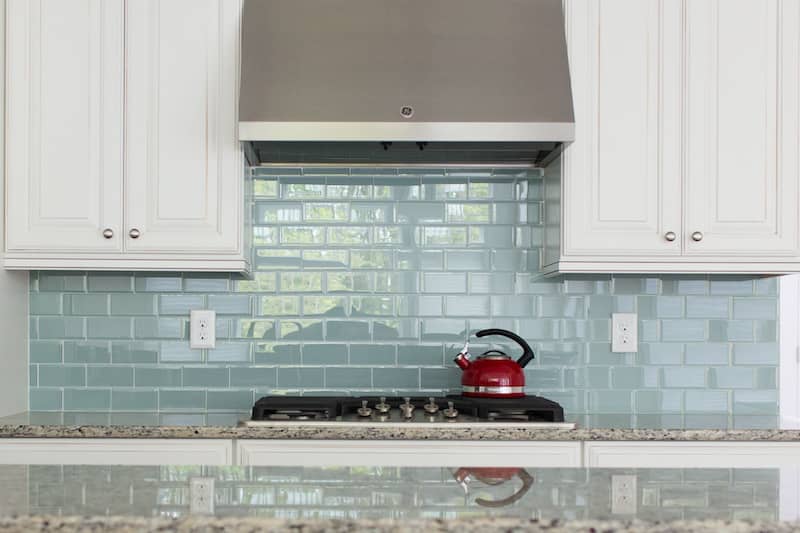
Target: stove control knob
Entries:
(364, 410)
(407, 408)
(431, 406)
(451, 411)
(383, 407)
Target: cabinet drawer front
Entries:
(64, 117)
(184, 178)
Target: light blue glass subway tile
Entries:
(45, 351)
(109, 376)
(158, 283)
(270, 353)
(562, 307)
(611, 401)
(86, 304)
(61, 327)
(371, 306)
(372, 213)
(446, 379)
(646, 307)
(658, 401)
(627, 377)
(230, 400)
(623, 284)
(325, 212)
(683, 285)
(33, 327)
(87, 352)
(396, 378)
(476, 324)
(133, 304)
(373, 354)
(264, 188)
(277, 259)
(45, 399)
(475, 260)
(325, 354)
(87, 399)
(625, 304)
(420, 213)
(497, 237)
(180, 304)
(706, 401)
(300, 281)
(254, 377)
(765, 354)
(684, 378)
(230, 304)
(660, 354)
(730, 330)
(301, 377)
(184, 400)
(600, 306)
(539, 329)
(350, 282)
(301, 236)
(534, 284)
(571, 401)
(356, 189)
(394, 236)
(649, 331)
(536, 376)
(134, 352)
(707, 307)
(732, 285)
(598, 377)
(599, 353)
(348, 378)
(767, 378)
(301, 330)
(255, 329)
(158, 328)
(516, 306)
(599, 330)
(346, 330)
(443, 330)
(396, 189)
(206, 377)
(62, 376)
(274, 306)
(60, 282)
(304, 187)
(765, 330)
(179, 352)
(651, 377)
(371, 259)
(491, 283)
(755, 402)
(448, 189)
(109, 282)
(731, 378)
(329, 259)
(669, 307)
(467, 306)
(109, 328)
(755, 308)
(230, 352)
(157, 376)
(45, 303)
(317, 305)
(397, 282)
(588, 285)
(400, 329)
(420, 355)
(206, 282)
(708, 353)
(508, 260)
(261, 282)
(767, 286)
(346, 236)
(445, 282)
(576, 330)
(510, 213)
(134, 400)
(413, 306)
(683, 330)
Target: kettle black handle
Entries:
(527, 352)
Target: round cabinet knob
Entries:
(108, 233)
(670, 236)
(134, 233)
(697, 236)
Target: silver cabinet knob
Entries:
(134, 233)
(670, 236)
(108, 233)
(697, 236)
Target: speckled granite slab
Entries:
(323, 431)
(200, 524)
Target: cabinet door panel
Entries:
(64, 124)
(621, 177)
(183, 165)
(741, 135)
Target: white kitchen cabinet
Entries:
(408, 453)
(122, 140)
(216, 452)
(607, 454)
(687, 147)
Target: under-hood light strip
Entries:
(400, 165)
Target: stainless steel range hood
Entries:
(484, 77)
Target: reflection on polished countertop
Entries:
(396, 493)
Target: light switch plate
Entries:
(203, 329)
(624, 333)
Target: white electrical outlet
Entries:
(203, 329)
(624, 334)
(623, 494)
(201, 495)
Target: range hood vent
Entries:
(485, 76)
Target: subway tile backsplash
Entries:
(370, 282)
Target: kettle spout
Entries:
(462, 359)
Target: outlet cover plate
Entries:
(203, 330)
(623, 494)
(624, 333)
(201, 495)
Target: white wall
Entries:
(13, 292)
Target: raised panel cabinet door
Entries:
(621, 178)
(742, 139)
(64, 125)
(183, 181)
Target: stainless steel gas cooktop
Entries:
(530, 411)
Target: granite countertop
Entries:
(225, 426)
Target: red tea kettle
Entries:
(494, 374)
